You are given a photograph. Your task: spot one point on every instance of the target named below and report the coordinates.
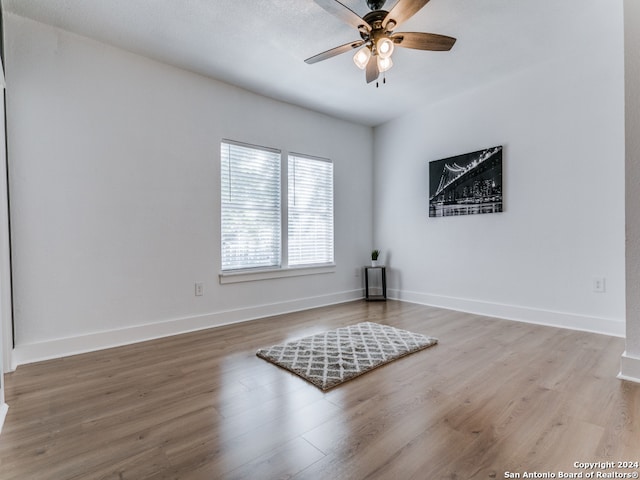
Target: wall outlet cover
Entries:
(599, 284)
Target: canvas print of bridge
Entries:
(466, 184)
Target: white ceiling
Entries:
(261, 45)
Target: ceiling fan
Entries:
(378, 39)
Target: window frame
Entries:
(275, 254)
(284, 270)
(312, 158)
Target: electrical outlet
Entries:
(199, 289)
(598, 284)
(357, 272)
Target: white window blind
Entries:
(250, 194)
(310, 204)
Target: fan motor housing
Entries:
(374, 19)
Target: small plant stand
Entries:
(368, 270)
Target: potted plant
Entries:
(374, 257)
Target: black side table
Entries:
(370, 297)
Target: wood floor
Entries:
(492, 397)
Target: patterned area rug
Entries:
(331, 358)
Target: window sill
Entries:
(239, 276)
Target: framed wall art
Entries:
(466, 184)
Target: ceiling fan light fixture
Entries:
(361, 58)
(384, 64)
(377, 40)
(385, 47)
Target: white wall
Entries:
(114, 179)
(562, 128)
(630, 364)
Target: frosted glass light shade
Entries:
(385, 47)
(384, 64)
(361, 58)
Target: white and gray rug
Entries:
(330, 358)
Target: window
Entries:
(310, 203)
(251, 212)
(253, 219)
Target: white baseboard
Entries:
(63, 347)
(629, 368)
(4, 408)
(571, 321)
(35, 352)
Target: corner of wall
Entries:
(629, 368)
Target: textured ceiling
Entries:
(261, 45)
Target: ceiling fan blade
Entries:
(334, 51)
(423, 41)
(372, 69)
(344, 13)
(402, 11)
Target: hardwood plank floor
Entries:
(494, 396)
